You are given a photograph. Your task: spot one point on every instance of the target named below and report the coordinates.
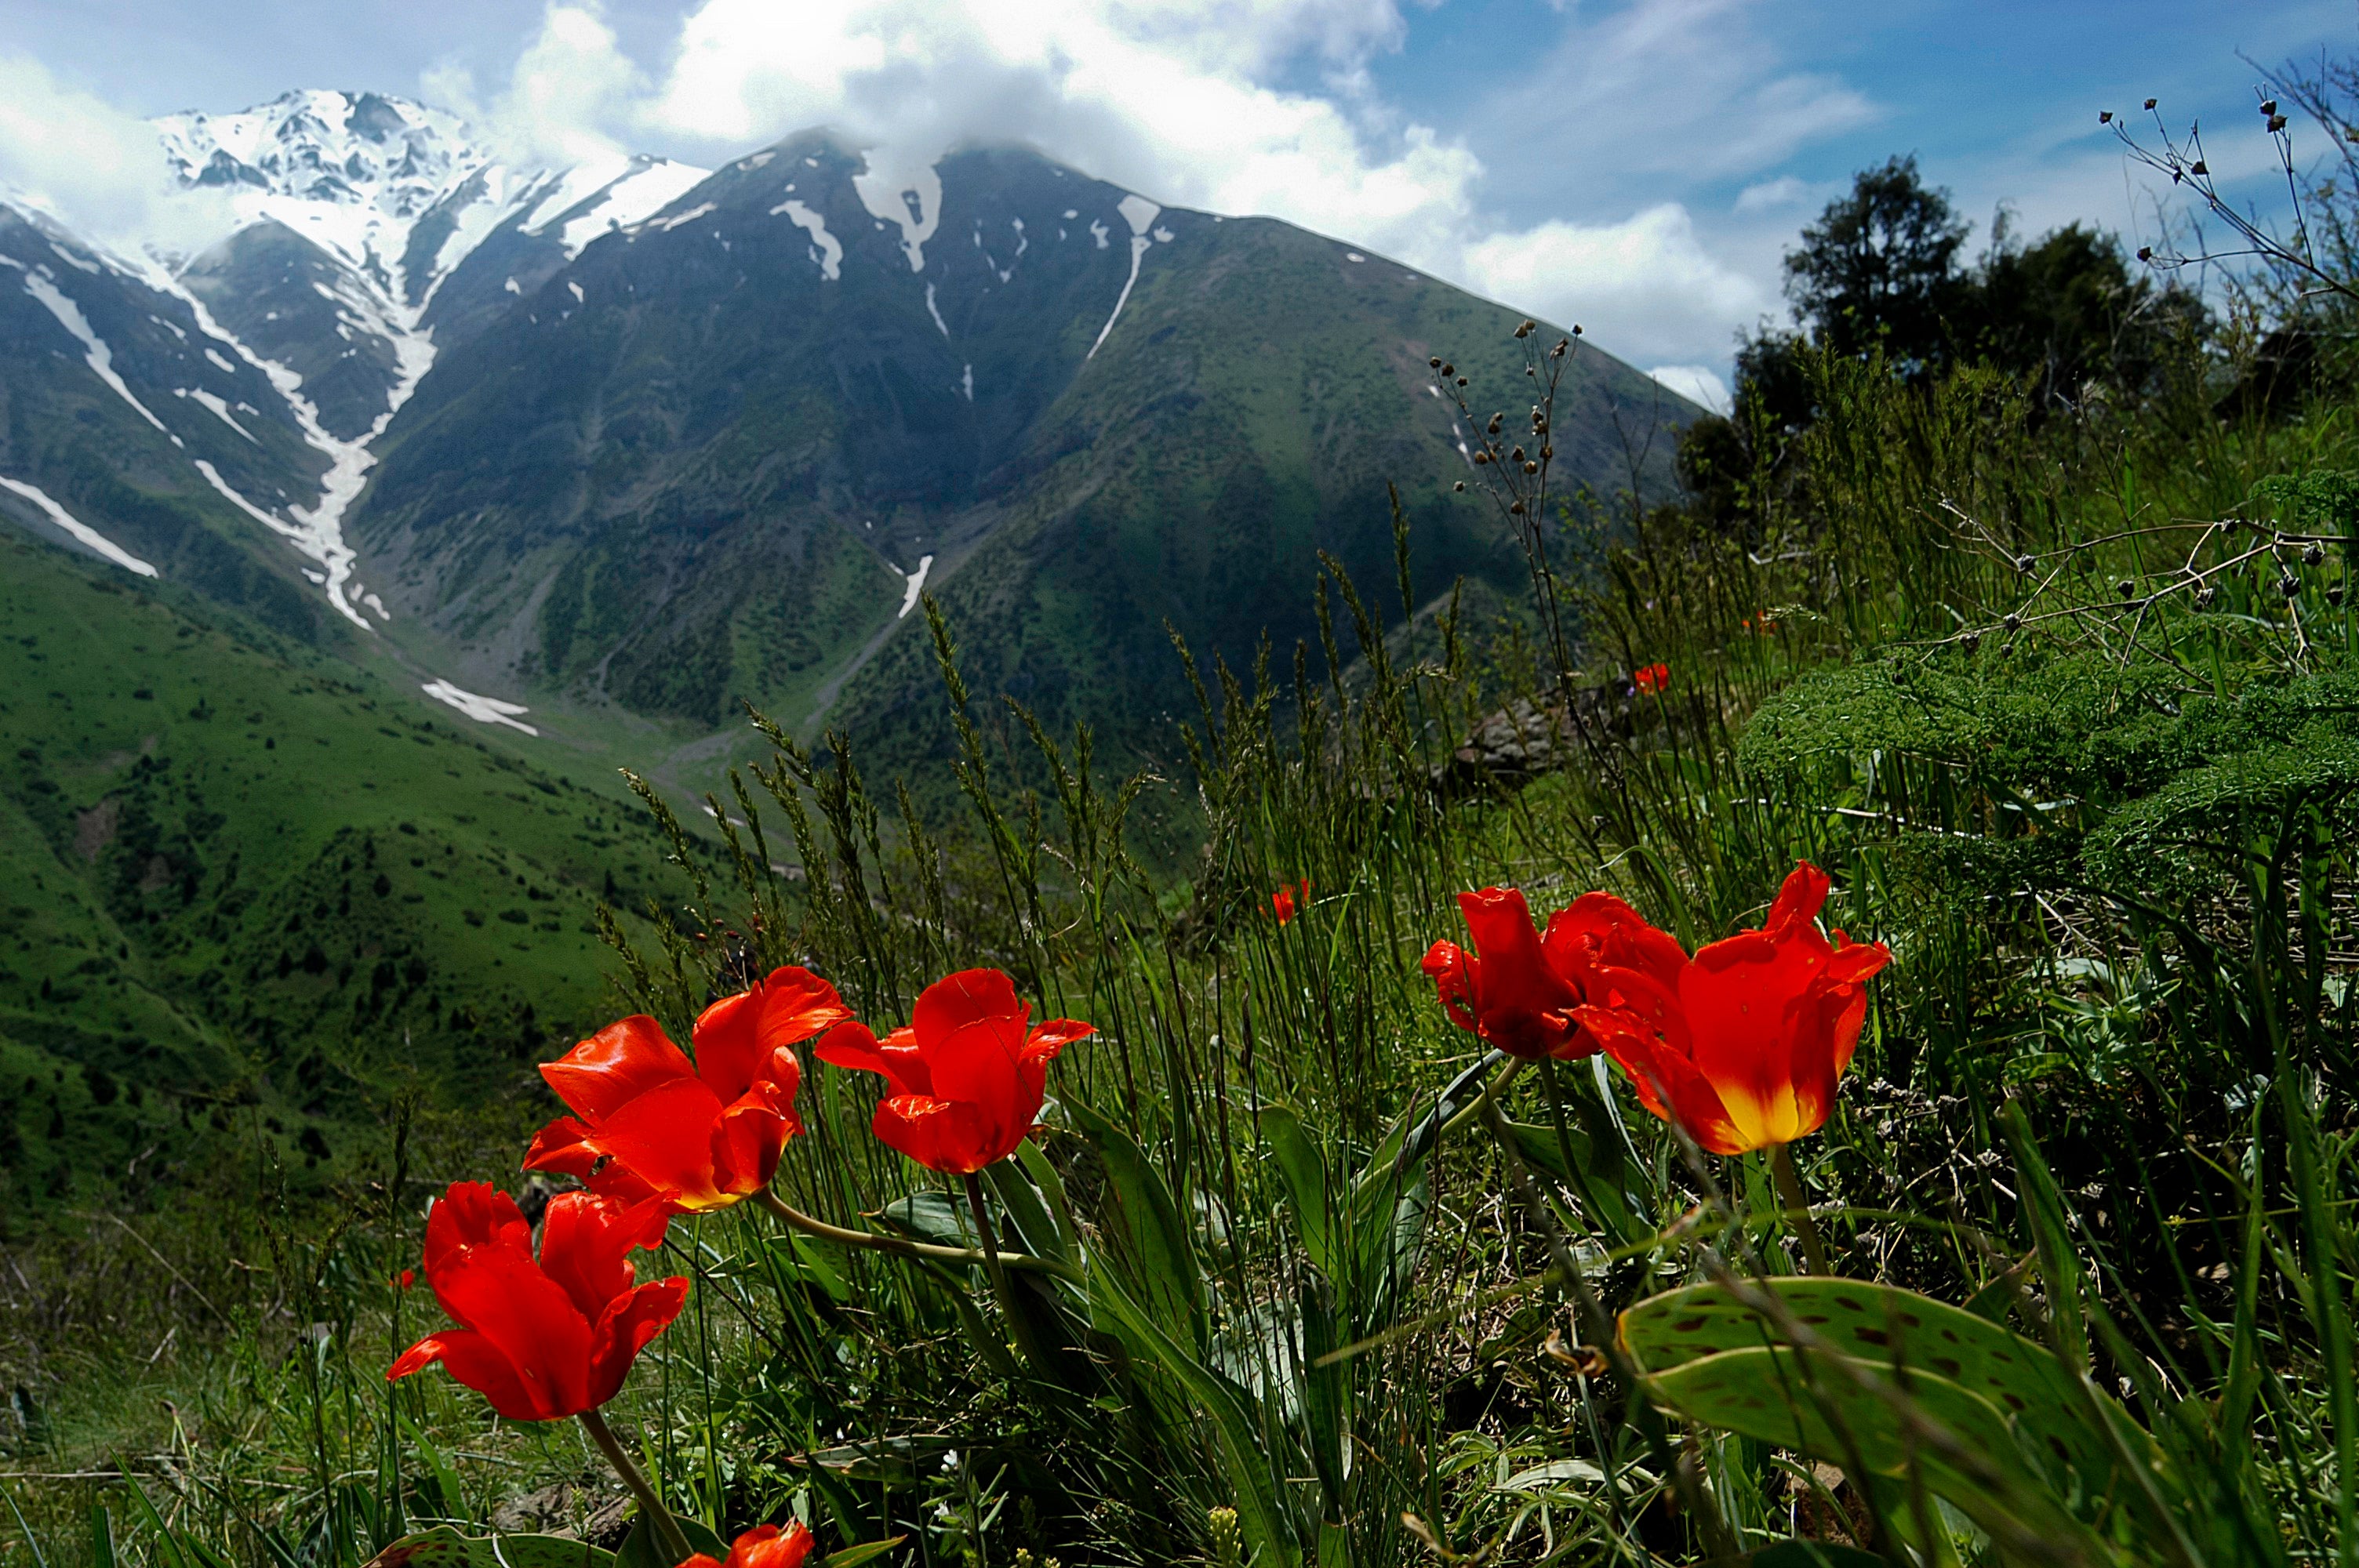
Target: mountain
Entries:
(353, 549)
(630, 442)
(717, 455)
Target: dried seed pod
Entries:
(2104, 116)
(2288, 585)
(2204, 596)
(1516, 509)
(2146, 253)
(2024, 564)
(1546, 452)
(2315, 555)
(2149, 103)
(1481, 457)
(2268, 105)
(2013, 623)
(2198, 167)
(1459, 486)
(1462, 381)
(1531, 468)
(2334, 595)
(2125, 588)
(1971, 641)
(1435, 362)
(2276, 123)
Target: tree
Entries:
(1879, 269)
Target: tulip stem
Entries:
(1797, 1209)
(869, 1239)
(651, 1508)
(990, 1244)
(1491, 1090)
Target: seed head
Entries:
(1971, 641)
(2104, 116)
(1448, 371)
(2268, 105)
(2013, 623)
(1547, 453)
(2276, 123)
(1516, 509)
(1435, 362)
(1460, 487)
(1531, 468)
(2024, 564)
(1494, 424)
(1576, 328)
(1481, 457)
(2125, 588)
(2146, 253)
(2198, 167)
(2334, 595)
(2204, 596)
(2149, 103)
(1517, 455)
(2314, 556)
(2288, 585)
(1462, 381)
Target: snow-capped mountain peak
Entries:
(365, 149)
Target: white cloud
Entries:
(1197, 104)
(94, 167)
(1768, 195)
(570, 100)
(1647, 286)
(1697, 383)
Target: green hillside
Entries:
(251, 887)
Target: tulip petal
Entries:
(525, 1317)
(563, 1147)
(971, 1028)
(471, 1215)
(480, 1365)
(586, 1241)
(624, 1329)
(941, 1135)
(1521, 1005)
(662, 1142)
(614, 1067)
(1665, 1082)
(767, 1546)
(737, 1036)
(856, 1046)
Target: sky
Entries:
(1638, 167)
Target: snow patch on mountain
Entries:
(912, 202)
(916, 585)
(218, 404)
(1140, 214)
(80, 530)
(42, 286)
(483, 709)
(826, 249)
(629, 194)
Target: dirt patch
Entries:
(94, 828)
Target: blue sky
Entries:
(1636, 165)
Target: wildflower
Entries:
(548, 1337)
(966, 1078)
(1285, 904)
(1651, 680)
(1741, 1045)
(646, 1121)
(764, 1546)
(1506, 991)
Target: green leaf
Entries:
(1150, 1243)
(641, 1548)
(1304, 1171)
(1027, 1216)
(1260, 1511)
(935, 1217)
(443, 1547)
(868, 1551)
(1811, 1555)
(1814, 1405)
(1892, 1328)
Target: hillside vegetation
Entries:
(1306, 1260)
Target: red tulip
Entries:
(548, 1338)
(966, 1078)
(1282, 902)
(1507, 991)
(1743, 1043)
(764, 1546)
(1652, 679)
(645, 1121)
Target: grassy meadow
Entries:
(2061, 690)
